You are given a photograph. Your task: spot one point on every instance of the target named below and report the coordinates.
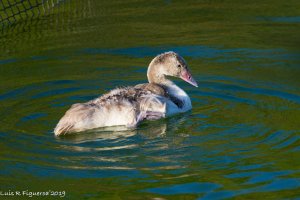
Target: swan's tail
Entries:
(78, 118)
(84, 116)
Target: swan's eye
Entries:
(178, 66)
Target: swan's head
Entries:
(170, 64)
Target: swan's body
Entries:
(130, 105)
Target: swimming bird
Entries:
(128, 106)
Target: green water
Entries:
(241, 140)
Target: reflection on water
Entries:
(115, 134)
(241, 140)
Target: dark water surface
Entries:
(241, 140)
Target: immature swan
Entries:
(130, 105)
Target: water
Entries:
(241, 140)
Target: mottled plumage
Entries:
(130, 105)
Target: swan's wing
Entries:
(153, 103)
(151, 107)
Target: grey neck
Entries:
(157, 75)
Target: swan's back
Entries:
(121, 106)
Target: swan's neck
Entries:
(156, 74)
(178, 94)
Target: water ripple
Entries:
(237, 140)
